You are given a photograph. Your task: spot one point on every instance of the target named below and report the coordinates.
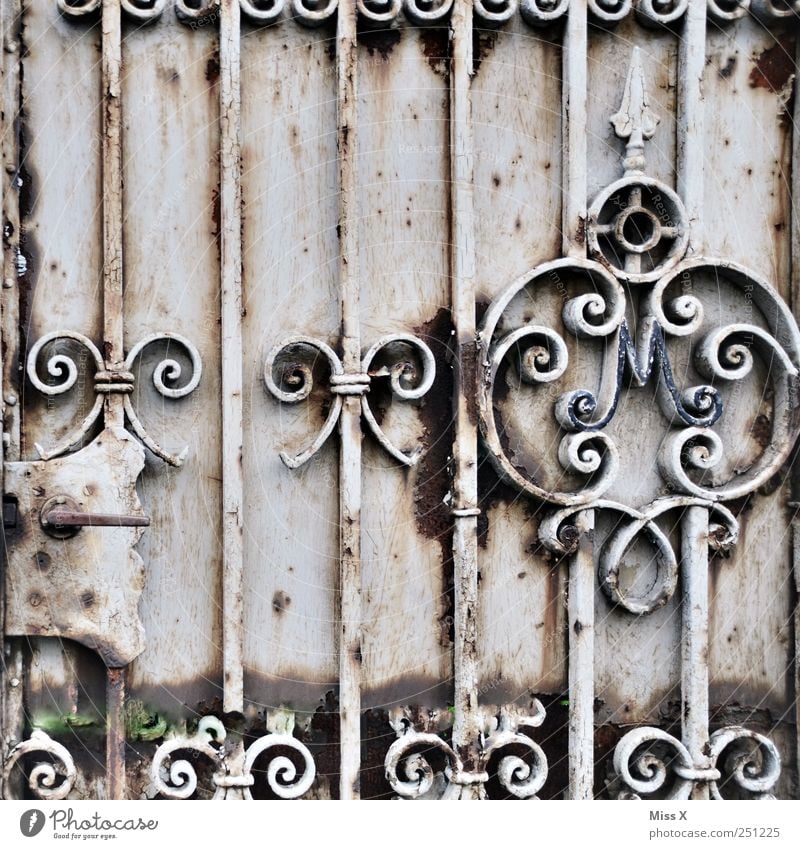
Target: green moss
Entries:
(143, 724)
(55, 723)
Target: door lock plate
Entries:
(72, 569)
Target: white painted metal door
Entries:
(399, 398)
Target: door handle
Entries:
(61, 517)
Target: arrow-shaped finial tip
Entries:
(635, 115)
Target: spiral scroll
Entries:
(379, 12)
(541, 13)
(166, 373)
(494, 13)
(50, 779)
(196, 13)
(177, 779)
(426, 12)
(725, 11)
(520, 778)
(62, 367)
(556, 533)
(233, 772)
(78, 8)
(311, 13)
(143, 11)
(692, 451)
(64, 372)
(282, 777)
(609, 11)
(754, 768)
(644, 770)
(262, 12)
(646, 757)
(772, 11)
(284, 362)
(660, 13)
(542, 356)
(404, 759)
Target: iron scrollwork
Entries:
(63, 371)
(411, 775)
(176, 777)
(406, 381)
(637, 236)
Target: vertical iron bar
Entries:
(691, 123)
(466, 724)
(350, 419)
(12, 714)
(115, 734)
(694, 641)
(113, 341)
(794, 228)
(231, 338)
(581, 574)
(580, 619)
(573, 111)
(694, 565)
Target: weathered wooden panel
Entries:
(517, 196)
(60, 257)
(747, 214)
(290, 283)
(403, 232)
(169, 98)
(61, 250)
(748, 207)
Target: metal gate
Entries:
(399, 398)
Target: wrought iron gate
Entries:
(474, 317)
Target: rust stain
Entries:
(212, 67)
(580, 232)
(406, 689)
(481, 305)
(280, 601)
(733, 699)
(774, 483)
(553, 631)
(379, 735)
(761, 430)
(323, 742)
(432, 482)
(380, 41)
(27, 281)
(728, 68)
(433, 475)
(606, 738)
(774, 66)
(482, 45)
(468, 374)
(42, 560)
(216, 217)
(436, 47)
